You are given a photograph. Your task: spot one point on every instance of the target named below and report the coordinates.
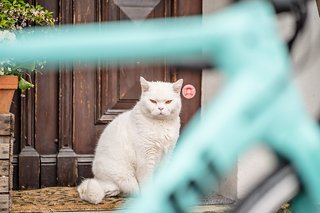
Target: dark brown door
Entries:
(59, 122)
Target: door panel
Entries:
(63, 117)
(120, 89)
(138, 9)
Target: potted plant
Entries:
(14, 16)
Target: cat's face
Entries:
(160, 100)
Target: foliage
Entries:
(14, 16)
(17, 14)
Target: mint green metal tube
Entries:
(149, 40)
(112, 41)
(295, 136)
(243, 42)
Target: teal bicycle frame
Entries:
(258, 102)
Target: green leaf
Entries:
(24, 85)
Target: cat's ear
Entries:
(177, 85)
(144, 84)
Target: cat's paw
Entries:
(90, 190)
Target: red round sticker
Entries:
(188, 91)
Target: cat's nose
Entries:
(160, 108)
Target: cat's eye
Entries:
(153, 101)
(168, 101)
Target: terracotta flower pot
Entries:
(8, 84)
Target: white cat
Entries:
(133, 143)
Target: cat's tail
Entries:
(94, 190)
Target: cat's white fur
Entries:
(132, 145)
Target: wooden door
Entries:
(59, 122)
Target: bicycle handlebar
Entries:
(296, 7)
